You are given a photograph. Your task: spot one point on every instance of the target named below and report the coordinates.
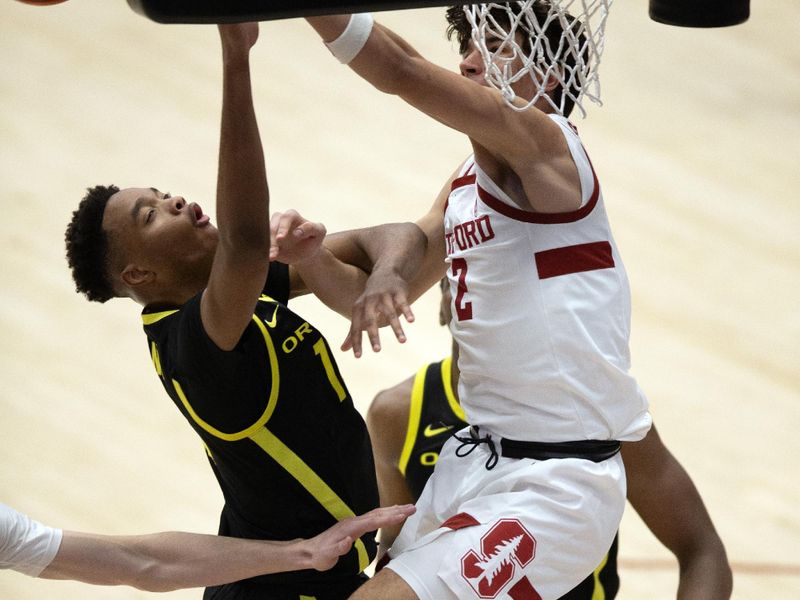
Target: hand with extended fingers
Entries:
(326, 548)
(385, 298)
(294, 239)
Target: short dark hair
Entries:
(459, 26)
(87, 245)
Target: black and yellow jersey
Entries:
(434, 416)
(290, 451)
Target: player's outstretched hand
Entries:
(293, 238)
(385, 298)
(328, 546)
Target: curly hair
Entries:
(87, 245)
(459, 26)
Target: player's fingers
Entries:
(390, 311)
(370, 324)
(389, 515)
(286, 222)
(274, 248)
(355, 333)
(374, 336)
(343, 547)
(311, 230)
(347, 343)
(402, 306)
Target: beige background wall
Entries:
(696, 147)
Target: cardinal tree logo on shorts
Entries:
(504, 548)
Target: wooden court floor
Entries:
(696, 147)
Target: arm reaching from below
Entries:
(168, 561)
(665, 497)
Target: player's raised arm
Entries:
(240, 266)
(389, 63)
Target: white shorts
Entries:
(525, 530)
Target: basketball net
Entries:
(559, 40)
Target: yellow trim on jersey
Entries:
(149, 319)
(321, 351)
(208, 452)
(313, 483)
(414, 416)
(156, 358)
(455, 406)
(271, 402)
(599, 592)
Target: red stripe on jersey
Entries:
(524, 590)
(460, 521)
(574, 259)
(462, 181)
(538, 217)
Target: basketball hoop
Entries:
(546, 41)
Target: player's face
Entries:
(157, 231)
(503, 56)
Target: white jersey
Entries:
(541, 314)
(26, 545)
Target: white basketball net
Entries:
(571, 58)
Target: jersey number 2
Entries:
(463, 308)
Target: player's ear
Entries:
(134, 277)
(551, 83)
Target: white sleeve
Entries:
(26, 545)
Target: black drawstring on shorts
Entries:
(472, 442)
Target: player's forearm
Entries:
(169, 561)
(395, 247)
(184, 560)
(334, 282)
(242, 192)
(389, 56)
(706, 575)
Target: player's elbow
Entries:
(705, 565)
(154, 576)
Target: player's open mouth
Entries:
(198, 217)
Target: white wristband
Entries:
(347, 46)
